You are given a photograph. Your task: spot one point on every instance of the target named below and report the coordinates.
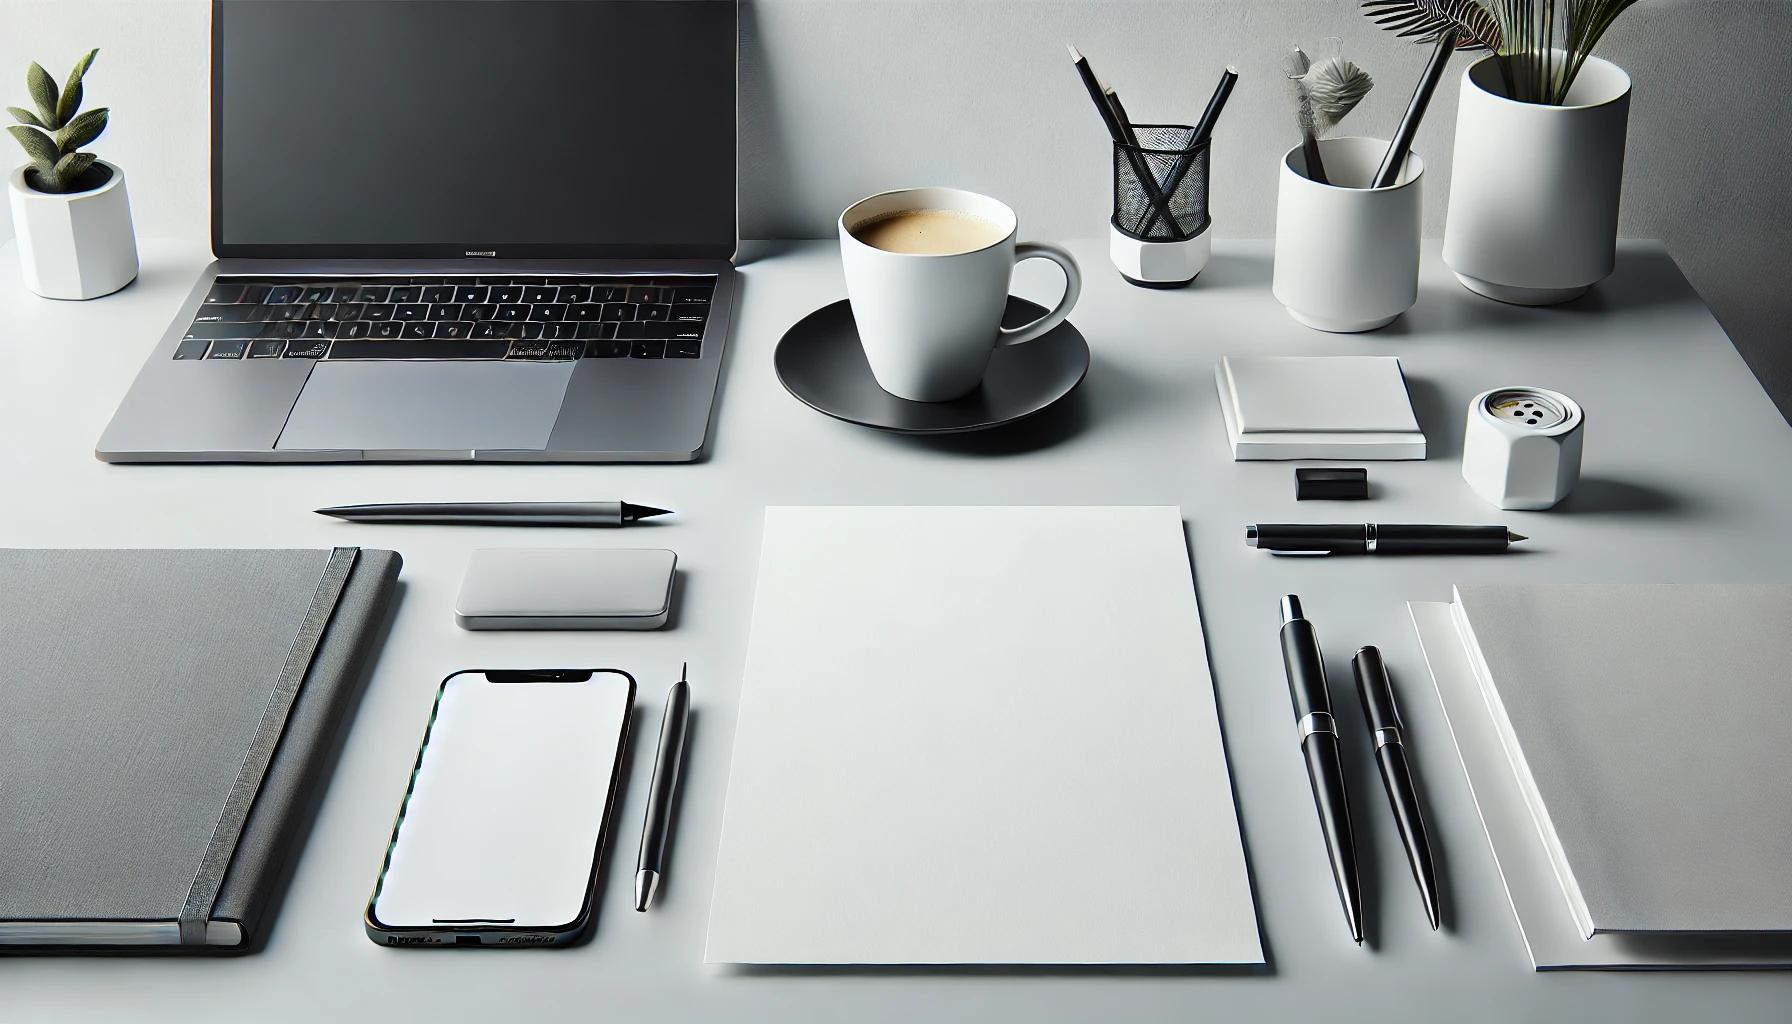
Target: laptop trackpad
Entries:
(427, 406)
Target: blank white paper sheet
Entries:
(979, 736)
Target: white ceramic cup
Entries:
(1347, 256)
(929, 323)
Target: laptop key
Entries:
(585, 311)
(573, 293)
(385, 330)
(564, 350)
(191, 348)
(407, 294)
(643, 330)
(524, 349)
(684, 348)
(471, 293)
(619, 311)
(655, 311)
(612, 293)
(289, 311)
(232, 349)
(444, 311)
(222, 292)
(647, 295)
(374, 293)
(354, 329)
(433, 349)
(652, 348)
(349, 311)
(417, 330)
(493, 330)
(410, 311)
(377, 311)
(478, 311)
(215, 332)
(316, 293)
(284, 294)
(529, 331)
(507, 293)
(513, 312)
(318, 329)
(597, 332)
(547, 311)
(438, 293)
(453, 330)
(541, 293)
(692, 296)
(287, 329)
(606, 349)
(561, 332)
(266, 348)
(313, 349)
(689, 314)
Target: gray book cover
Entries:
(1648, 725)
(167, 714)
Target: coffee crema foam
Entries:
(929, 232)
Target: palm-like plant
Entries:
(1539, 45)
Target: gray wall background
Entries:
(844, 97)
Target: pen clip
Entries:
(1298, 554)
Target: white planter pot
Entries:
(75, 246)
(1533, 213)
(1159, 264)
(1347, 258)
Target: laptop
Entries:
(456, 230)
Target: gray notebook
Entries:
(168, 717)
(1648, 725)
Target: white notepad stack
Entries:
(1627, 747)
(1317, 407)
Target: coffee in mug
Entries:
(929, 232)
(927, 273)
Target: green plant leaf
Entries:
(82, 130)
(38, 146)
(43, 93)
(72, 166)
(23, 116)
(1425, 19)
(71, 89)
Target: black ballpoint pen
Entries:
(650, 862)
(1378, 539)
(499, 513)
(1319, 745)
(1383, 717)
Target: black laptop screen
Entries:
(443, 128)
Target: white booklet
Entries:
(977, 735)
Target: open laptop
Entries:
(455, 230)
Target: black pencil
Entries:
(1203, 131)
(1395, 159)
(1118, 133)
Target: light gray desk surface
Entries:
(1688, 476)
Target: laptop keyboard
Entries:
(451, 318)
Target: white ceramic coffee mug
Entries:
(929, 322)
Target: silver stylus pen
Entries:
(650, 864)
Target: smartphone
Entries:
(501, 830)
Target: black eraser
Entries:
(1345, 483)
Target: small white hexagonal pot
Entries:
(78, 245)
(1521, 449)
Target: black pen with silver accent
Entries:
(650, 862)
(1319, 747)
(1378, 539)
(1385, 728)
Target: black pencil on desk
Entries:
(1116, 132)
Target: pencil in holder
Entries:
(1165, 172)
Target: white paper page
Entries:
(978, 735)
(1549, 929)
(1320, 394)
(503, 822)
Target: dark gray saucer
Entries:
(820, 361)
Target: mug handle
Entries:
(1073, 287)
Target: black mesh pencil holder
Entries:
(1176, 168)
(1159, 236)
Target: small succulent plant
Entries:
(53, 136)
